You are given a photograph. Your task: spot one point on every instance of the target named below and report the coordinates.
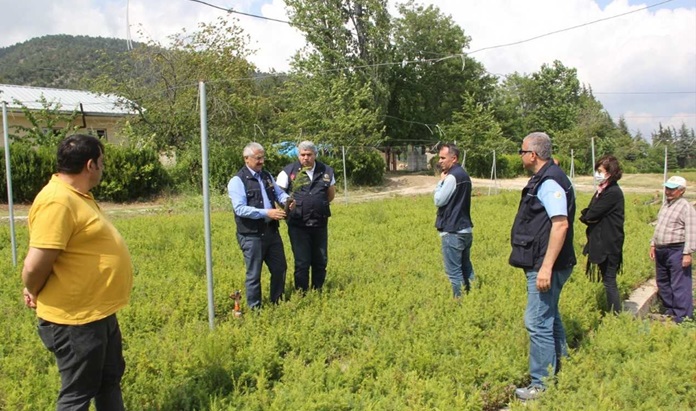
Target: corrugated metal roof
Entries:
(92, 103)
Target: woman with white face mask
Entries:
(604, 217)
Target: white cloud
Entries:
(649, 50)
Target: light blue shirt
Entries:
(443, 194)
(553, 198)
(237, 194)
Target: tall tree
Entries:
(685, 147)
(341, 66)
(435, 76)
(161, 84)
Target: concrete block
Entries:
(641, 299)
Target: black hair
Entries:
(75, 151)
(611, 164)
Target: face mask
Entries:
(600, 177)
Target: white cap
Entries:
(675, 182)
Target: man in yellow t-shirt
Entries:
(77, 274)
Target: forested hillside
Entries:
(59, 61)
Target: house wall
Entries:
(106, 127)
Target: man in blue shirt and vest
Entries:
(254, 195)
(453, 201)
(542, 245)
(313, 187)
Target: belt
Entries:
(672, 245)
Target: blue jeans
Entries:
(456, 253)
(547, 338)
(90, 362)
(257, 249)
(309, 246)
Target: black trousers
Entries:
(90, 362)
(609, 269)
(310, 249)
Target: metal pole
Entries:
(206, 204)
(464, 161)
(494, 176)
(345, 175)
(572, 165)
(8, 174)
(594, 182)
(664, 177)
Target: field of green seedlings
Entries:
(384, 335)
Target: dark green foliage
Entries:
(31, 170)
(224, 161)
(60, 61)
(365, 167)
(131, 174)
(509, 166)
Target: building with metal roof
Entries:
(97, 114)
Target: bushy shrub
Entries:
(224, 162)
(580, 167)
(509, 166)
(131, 174)
(364, 166)
(31, 169)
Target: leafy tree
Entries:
(432, 85)
(684, 147)
(346, 39)
(161, 85)
(476, 131)
(553, 99)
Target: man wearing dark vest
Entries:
(254, 194)
(453, 201)
(542, 245)
(312, 186)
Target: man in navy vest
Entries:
(312, 186)
(254, 195)
(453, 201)
(542, 245)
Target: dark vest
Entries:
(456, 214)
(532, 227)
(311, 199)
(255, 199)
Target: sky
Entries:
(641, 65)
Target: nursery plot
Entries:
(384, 335)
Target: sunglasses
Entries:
(520, 152)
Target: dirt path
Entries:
(396, 185)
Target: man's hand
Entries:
(276, 214)
(686, 260)
(29, 299)
(291, 205)
(543, 282)
(652, 252)
(443, 175)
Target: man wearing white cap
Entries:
(671, 247)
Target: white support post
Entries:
(8, 175)
(664, 176)
(206, 204)
(345, 175)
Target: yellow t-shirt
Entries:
(93, 275)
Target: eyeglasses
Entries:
(522, 152)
